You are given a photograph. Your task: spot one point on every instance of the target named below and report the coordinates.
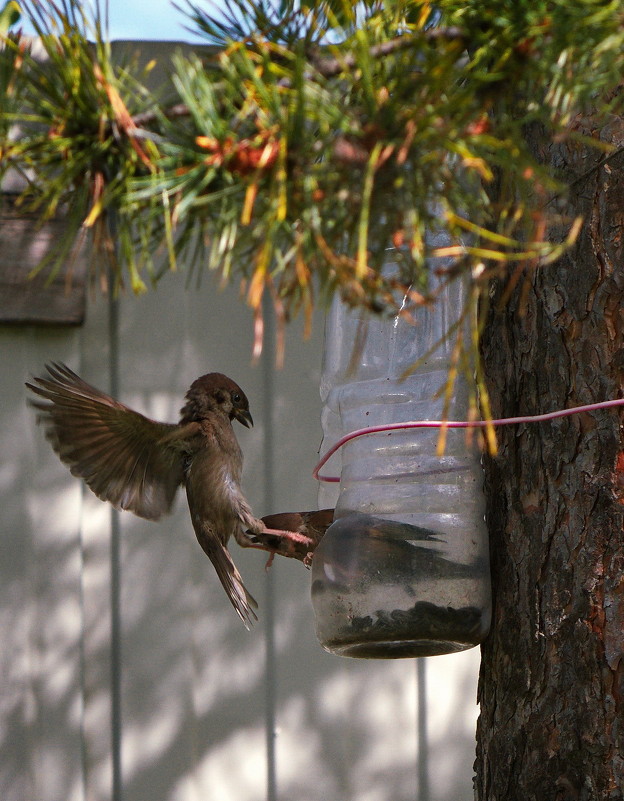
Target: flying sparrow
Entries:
(138, 464)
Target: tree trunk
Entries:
(552, 676)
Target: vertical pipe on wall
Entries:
(268, 390)
(82, 654)
(115, 564)
(422, 766)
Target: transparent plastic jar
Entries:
(404, 569)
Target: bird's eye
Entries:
(236, 398)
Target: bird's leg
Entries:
(249, 523)
(257, 546)
(292, 534)
(254, 532)
(257, 535)
(280, 541)
(244, 538)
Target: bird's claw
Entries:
(281, 541)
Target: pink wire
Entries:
(505, 421)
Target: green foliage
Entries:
(318, 137)
(75, 147)
(9, 16)
(11, 60)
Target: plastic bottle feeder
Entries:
(404, 569)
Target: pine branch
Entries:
(331, 67)
(147, 117)
(326, 67)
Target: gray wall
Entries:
(207, 710)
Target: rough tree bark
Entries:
(552, 677)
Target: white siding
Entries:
(199, 696)
(194, 683)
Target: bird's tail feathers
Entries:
(232, 581)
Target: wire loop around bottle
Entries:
(504, 421)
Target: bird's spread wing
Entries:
(124, 457)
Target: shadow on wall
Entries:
(193, 683)
(41, 622)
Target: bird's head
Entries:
(216, 393)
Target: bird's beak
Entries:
(244, 417)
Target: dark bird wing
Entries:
(124, 457)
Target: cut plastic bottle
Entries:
(404, 569)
